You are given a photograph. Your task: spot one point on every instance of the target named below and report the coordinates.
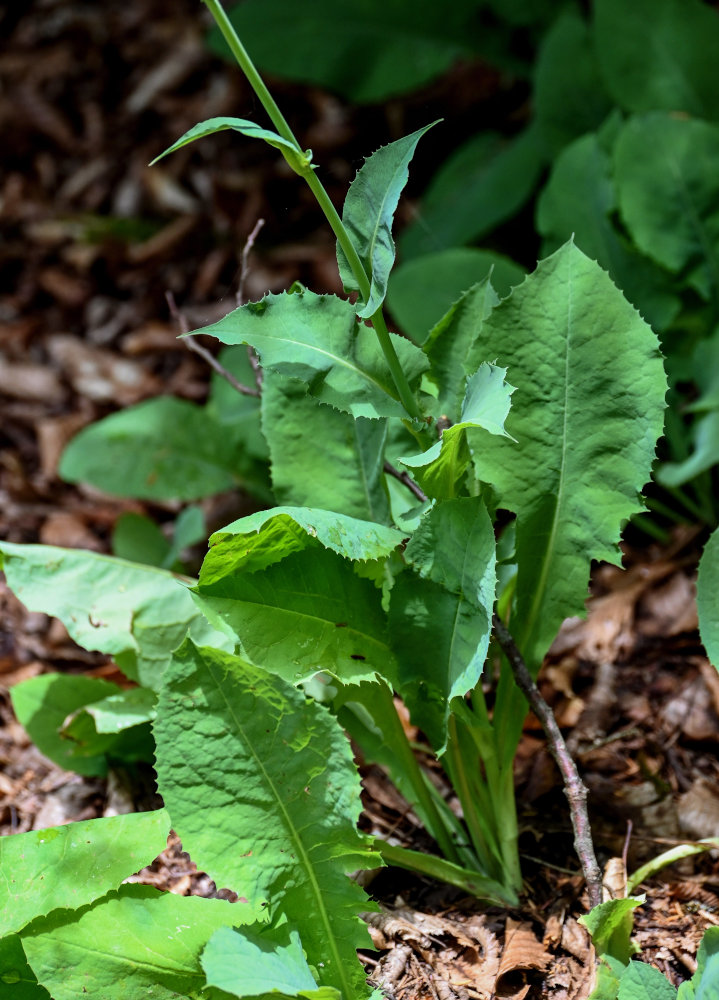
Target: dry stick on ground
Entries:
(574, 787)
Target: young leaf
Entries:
(643, 982)
(708, 598)
(316, 340)
(703, 984)
(368, 214)
(308, 613)
(440, 616)
(321, 457)
(259, 540)
(670, 203)
(440, 469)
(610, 926)
(592, 393)
(299, 161)
(136, 942)
(275, 772)
(85, 860)
(421, 291)
(137, 614)
(253, 964)
(674, 68)
(162, 449)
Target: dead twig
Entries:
(404, 478)
(574, 787)
(240, 296)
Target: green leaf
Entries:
(299, 161)
(670, 201)
(316, 340)
(708, 598)
(269, 961)
(577, 202)
(440, 615)
(66, 867)
(569, 97)
(365, 50)
(590, 379)
(137, 614)
(421, 291)
(704, 984)
(162, 449)
(321, 457)
(259, 540)
(119, 712)
(275, 772)
(704, 437)
(674, 67)
(610, 926)
(138, 538)
(481, 185)
(308, 613)
(643, 982)
(441, 468)
(368, 214)
(137, 942)
(17, 980)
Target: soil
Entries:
(92, 242)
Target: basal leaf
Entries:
(703, 984)
(66, 867)
(308, 613)
(485, 182)
(670, 201)
(137, 614)
(440, 469)
(643, 982)
(590, 379)
(17, 980)
(708, 598)
(275, 772)
(299, 161)
(368, 215)
(162, 449)
(321, 457)
(674, 67)
(440, 615)
(316, 340)
(264, 538)
(137, 942)
(421, 291)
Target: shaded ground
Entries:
(92, 240)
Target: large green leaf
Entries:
(299, 161)
(577, 202)
(321, 457)
(708, 598)
(588, 411)
(137, 614)
(440, 470)
(421, 291)
(670, 200)
(704, 984)
(316, 340)
(308, 613)
(137, 942)
(162, 449)
(643, 982)
(368, 214)
(659, 54)
(275, 772)
(481, 185)
(440, 614)
(569, 98)
(366, 50)
(66, 867)
(264, 538)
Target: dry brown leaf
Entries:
(699, 810)
(522, 949)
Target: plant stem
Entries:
(574, 788)
(323, 199)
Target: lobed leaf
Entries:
(316, 340)
(137, 614)
(67, 867)
(592, 392)
(275, 772)
(368, 214)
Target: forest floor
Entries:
(92, 241)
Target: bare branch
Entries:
(574, 787)
(244, 265)
(404, 478)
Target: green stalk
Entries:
(323, 199)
